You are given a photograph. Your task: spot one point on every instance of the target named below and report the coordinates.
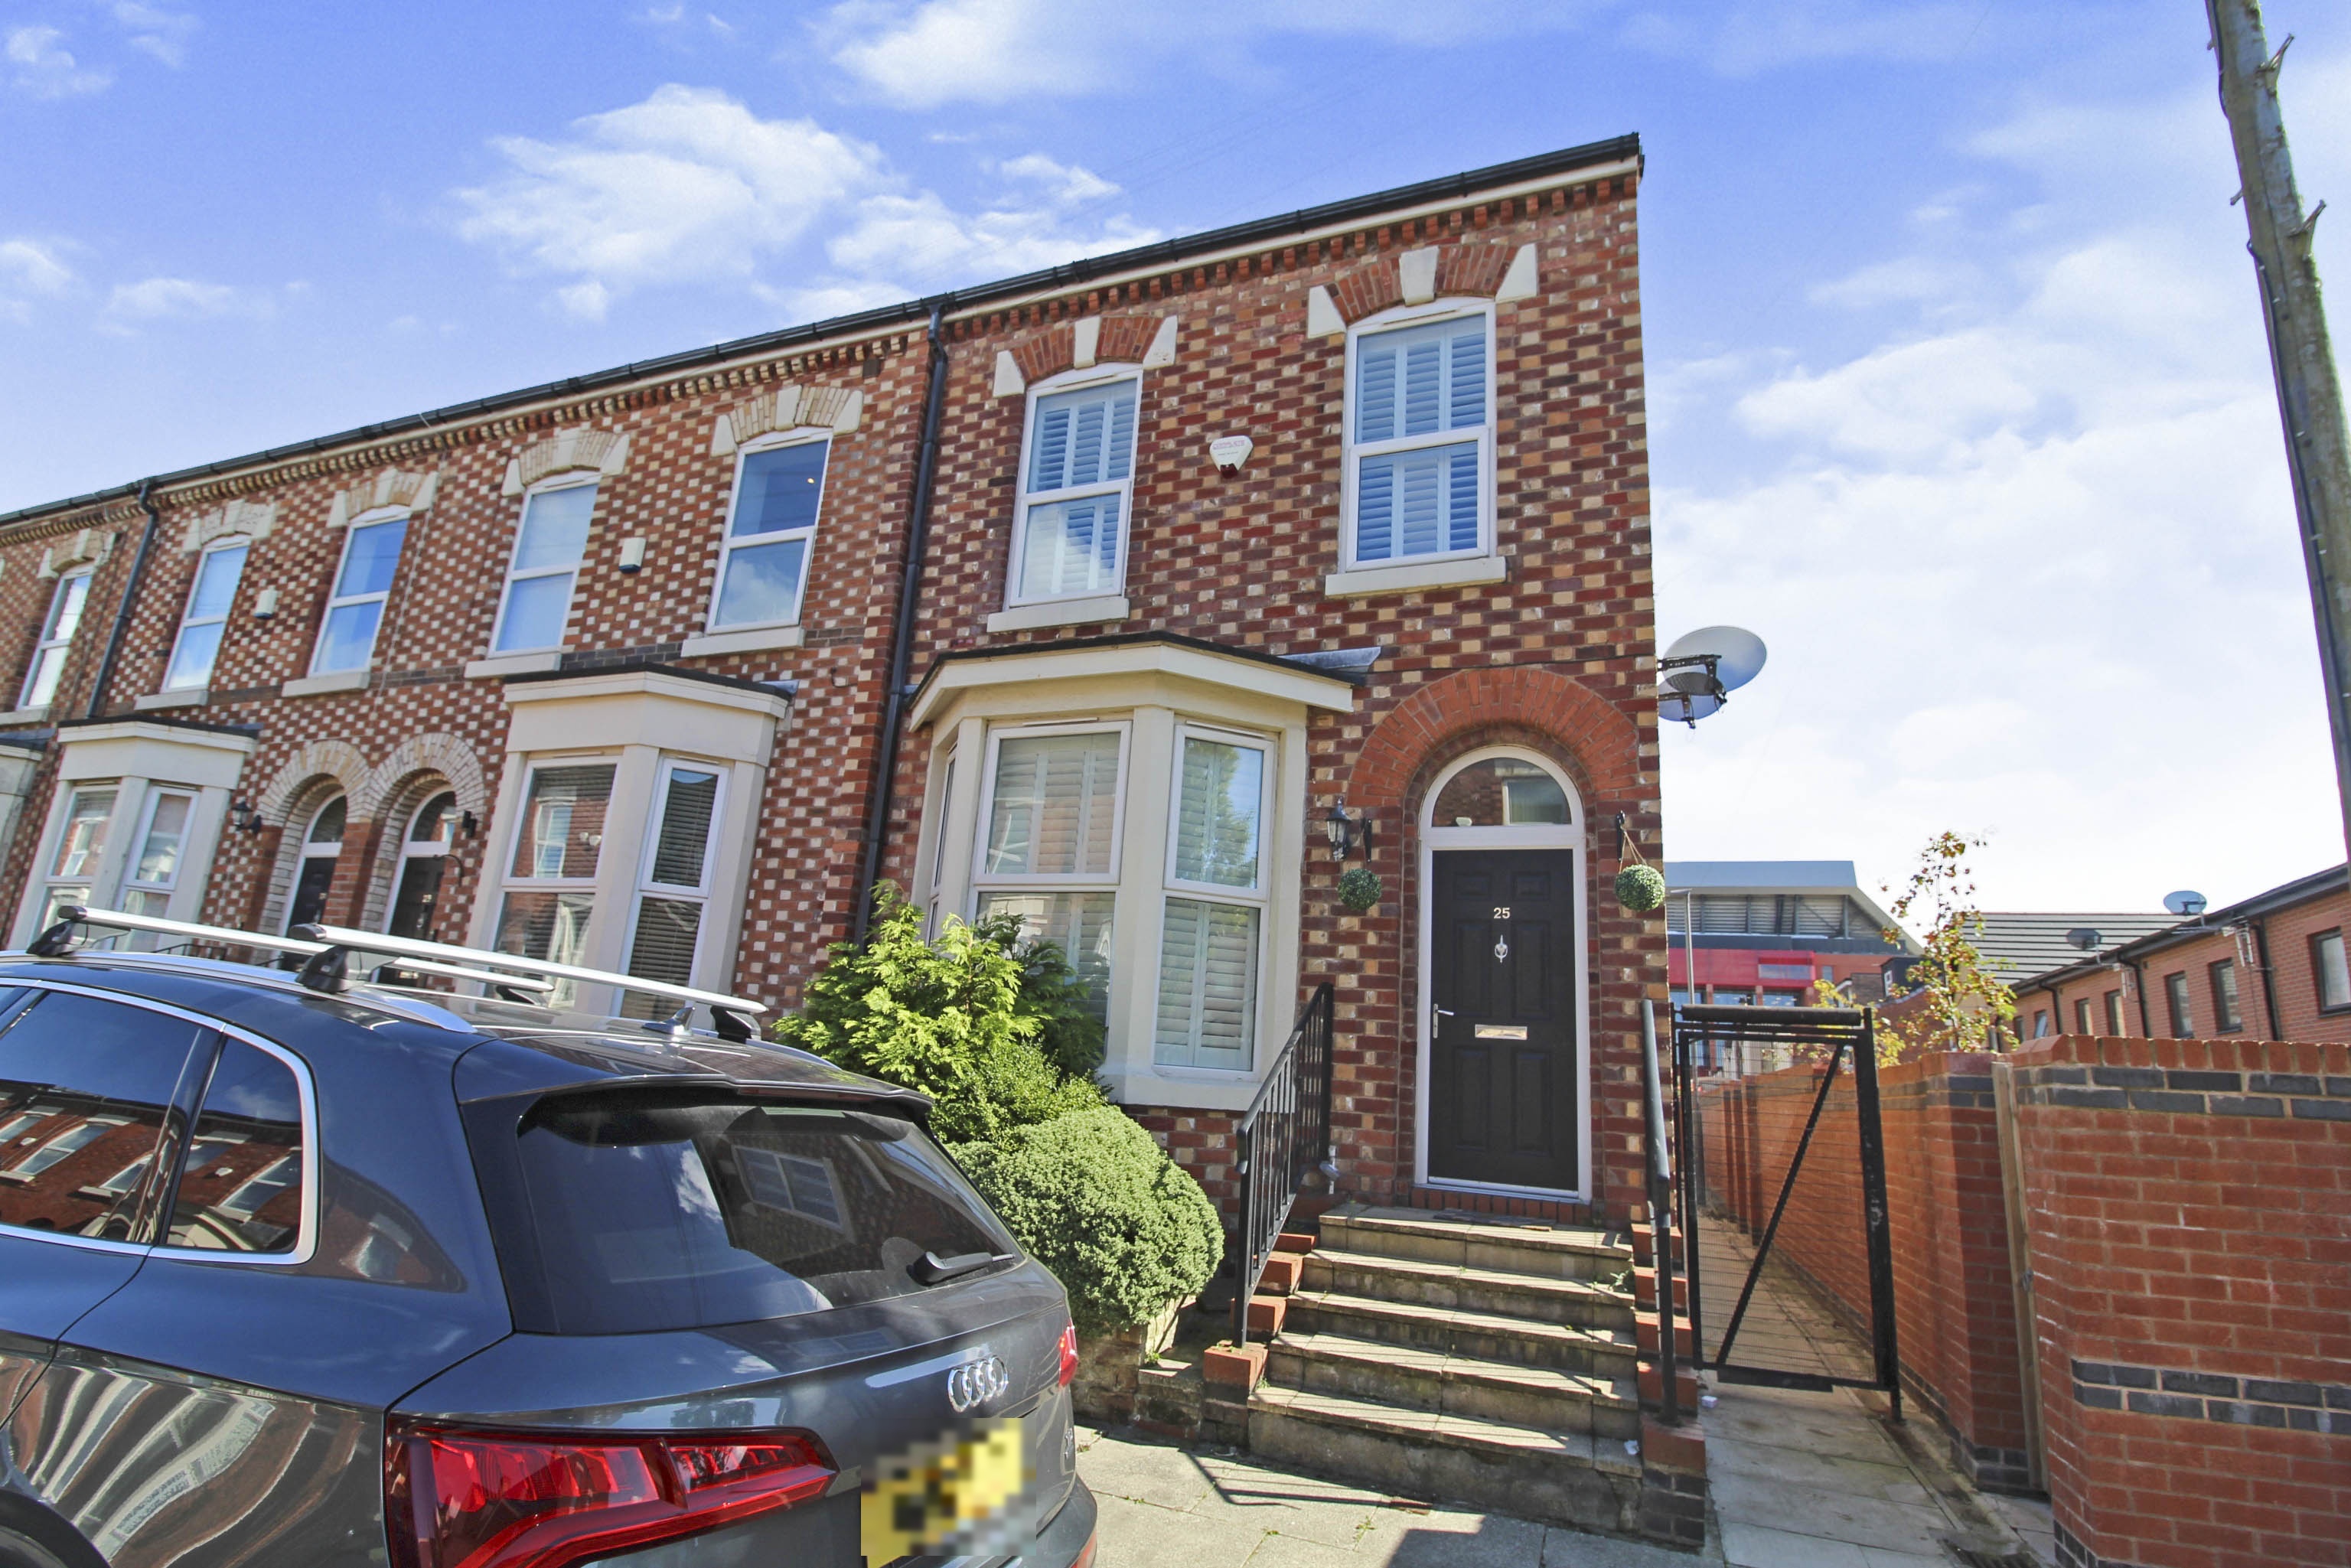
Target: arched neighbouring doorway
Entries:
(1504, 1078)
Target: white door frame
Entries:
(1571, 837)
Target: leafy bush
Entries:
(1093, 1197)
(943, 1017)
(1068, 1033)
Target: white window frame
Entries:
(413, 849)
(189, 619)
(1355, 451)
(510, 882)
(338, 600)
(53, 879)
(981, 878)
(1259, 896)
(165, 886)
(571, 479)
(311, 848)
(49, 652)
(728, 544)
(646, 887)
(1026, 500)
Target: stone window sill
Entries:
(153, 700)
(1059, 612)
(25, 715)
(1416, 575)
(750, 640)
(1182, 1089)
(317, 686)
(513, 664)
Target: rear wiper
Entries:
(930, 1268)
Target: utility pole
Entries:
(2310, 398)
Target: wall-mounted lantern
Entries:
(1347, 832)
(244, 818)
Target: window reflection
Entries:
(244, 1194)
(84, 1090)
(1501, 793)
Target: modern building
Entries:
(1104, 594)
(2268, 968)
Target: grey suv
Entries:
(289, 1276)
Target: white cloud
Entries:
(154, 31)
(33, 266)
(156, 299)
(690, 186)
(41, 66)
(687, 185)
(923, 55)
(2027, 565)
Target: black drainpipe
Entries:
(2261, 925)
(2139, 974)
(129, 601)
(901, 648)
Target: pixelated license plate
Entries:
(953, 1496)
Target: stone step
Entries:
(1605, 1353)
(1566, 1478)
(1443, 1384)
(1458, 1288)
(1558, 1252)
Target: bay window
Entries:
(1050, 854)
(673, 890)
(1077, 486)
(363, 583)
(550, 882)
(56, 638)
(197, 647)
(1211, 930)
(770, 530)
(162, 837)
(549, 544)
(1419, 441)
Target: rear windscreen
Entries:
(666, 1216)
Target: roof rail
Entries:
(326, 950)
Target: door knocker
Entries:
(1502, 939)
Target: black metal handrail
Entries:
(1281, 1139)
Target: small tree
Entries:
(1068, 1033)
(945, 1017)
(1959, 1000)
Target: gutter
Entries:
(902, 646)
(129, 600)
(1596, 158)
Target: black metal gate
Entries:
(1846, 1038)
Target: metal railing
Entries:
(1661, 1212)
(1281, 1140)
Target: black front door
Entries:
(1502, 1068)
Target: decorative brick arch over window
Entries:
(253, 520)
(295, 790)
(606, 451)
(444, 756)
(1434, 724)
(1134, 338)
(1466, 269)
(392, 487)
(792, 407)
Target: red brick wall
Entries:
(1954, 1311)
(2189, 1205)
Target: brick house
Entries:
(659, 668)
(2267, 967)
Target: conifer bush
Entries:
(1093, 1197)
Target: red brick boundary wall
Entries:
(1954, 1306)
(2189, 1207)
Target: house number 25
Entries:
(1501, 941)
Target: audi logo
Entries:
(976, 1382)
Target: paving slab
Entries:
(1140, 1535)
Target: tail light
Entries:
(1068, 1353)
(481, 1498)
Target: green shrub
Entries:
(943, 1016)
(1051, 992)
(1093, 1197)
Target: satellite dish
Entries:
(2082, 937)
(1738, 656)
(1686, 707)
(2184, 902)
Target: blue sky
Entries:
(1959, 395)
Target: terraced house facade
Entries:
(1113, 596)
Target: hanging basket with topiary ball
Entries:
(1641, 888)
(1359, 888)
